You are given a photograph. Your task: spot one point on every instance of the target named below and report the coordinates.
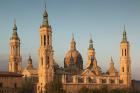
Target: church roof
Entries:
(88, 72)
(9, 74)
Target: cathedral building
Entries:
(73, 76)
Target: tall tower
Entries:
(91, 60)
(91, 55)
(15, 57)
(46, 62)
(125, 61)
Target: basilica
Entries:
(73, 76)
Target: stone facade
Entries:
(10, 82)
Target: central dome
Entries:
(73, 59)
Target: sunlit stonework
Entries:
(73, 75)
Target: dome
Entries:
(73, 58)
(74, 54)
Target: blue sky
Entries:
(104, 19)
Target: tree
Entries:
(55, 87)
(27, 87)
(104, 89)
(84, 90)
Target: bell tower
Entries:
(15, 57)
(125, 61)
(46, 62)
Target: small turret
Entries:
(112, 70)
(30, 65)
(124, 39)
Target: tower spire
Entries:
(124, 39)
(124, 27)
(72, 37)
(15, 27)
(45, 17)
(15, 35)
(90, 42)
(112, 60)
(45, 6)
(73, 43)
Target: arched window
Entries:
(127, 69)
(41, 61)
(122, 69)
(41, 40)
(48, 59)
(16, 50)
(48, 40)
(125, 52)
(44, 40)
(122, 52)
